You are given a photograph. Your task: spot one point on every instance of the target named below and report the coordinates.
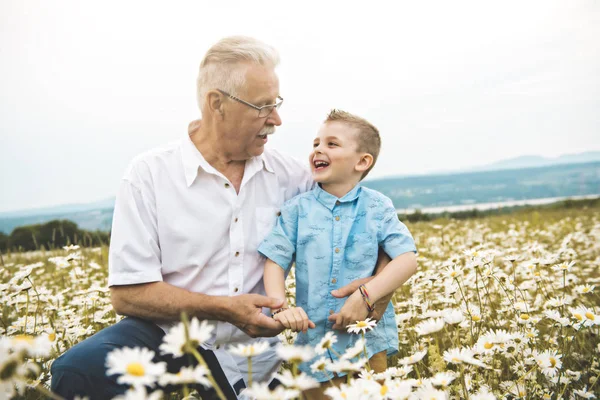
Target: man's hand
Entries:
(245, 312)
(348, 290)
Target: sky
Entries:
(84, 86)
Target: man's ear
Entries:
(215, 104)
(365, 162)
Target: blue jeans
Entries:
(81, 369)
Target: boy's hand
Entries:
(354, 309)
(295, 319)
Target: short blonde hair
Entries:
(222, 66)
(367, 135)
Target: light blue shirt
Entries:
(334, 242)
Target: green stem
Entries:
(249, 371)
(209, 375)
(47, 393)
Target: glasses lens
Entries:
(265, 111)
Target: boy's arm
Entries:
(398, 271)
(275, 281)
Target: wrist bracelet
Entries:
(365, 295)
(274, 313)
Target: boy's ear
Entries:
(365, 162)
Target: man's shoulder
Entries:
(284, 163)
(149, 160)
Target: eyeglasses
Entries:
(263, 111)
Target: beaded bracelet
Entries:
(278, 311)
(365, 296)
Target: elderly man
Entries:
(187, 222)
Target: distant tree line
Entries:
(474, 213)
(51, 235)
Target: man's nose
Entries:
(274, 118)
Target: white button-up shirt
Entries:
(179, 220)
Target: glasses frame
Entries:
(271, 106)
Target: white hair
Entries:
(223, 66)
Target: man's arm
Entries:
(382, 261)
(160, 301)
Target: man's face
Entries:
(335, 156)
(246, 133)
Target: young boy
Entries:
(334, 233)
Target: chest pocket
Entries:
(361, 251)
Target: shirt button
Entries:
(218, 346)
(337, 217)
(334, 280)
(237, 253)
(227, 186)
(331, 312)
(337, 203)
(279, 213)
(235, 220)
(337, 250)
(235, 290)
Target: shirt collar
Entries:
(193, 160)
(329, 200)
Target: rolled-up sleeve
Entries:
(395, 238)
(134, 255)
(280, 244)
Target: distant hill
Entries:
(532, 161)
(411, 192)
(491, 186)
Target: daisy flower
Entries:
(413, 359)
(549, 362)
(584, 289)
(261, 391)
(186, 375)
(429, 326)
(355, 350)
(135, 366)
(249, 350)
(453, 316)
(328, 340)
(295, 354)
(174, 342)
(301, 381)
(320, 365)
(460, 355)
(139, 393)
(362, 326)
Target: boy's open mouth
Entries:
(320, 164)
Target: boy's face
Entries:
(335, 158)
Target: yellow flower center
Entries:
(24, 338)
(476, 318)
(455, 359)
(591, 316)
(384, 390)
(361, 324)
(453, 274)
(530, 335)
(525, 316)
(52, 337)
(488, 345)
(553, 361)
(537, 274)
(585, 290)
(135, 369)
(578, 316)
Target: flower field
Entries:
(501, 307)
